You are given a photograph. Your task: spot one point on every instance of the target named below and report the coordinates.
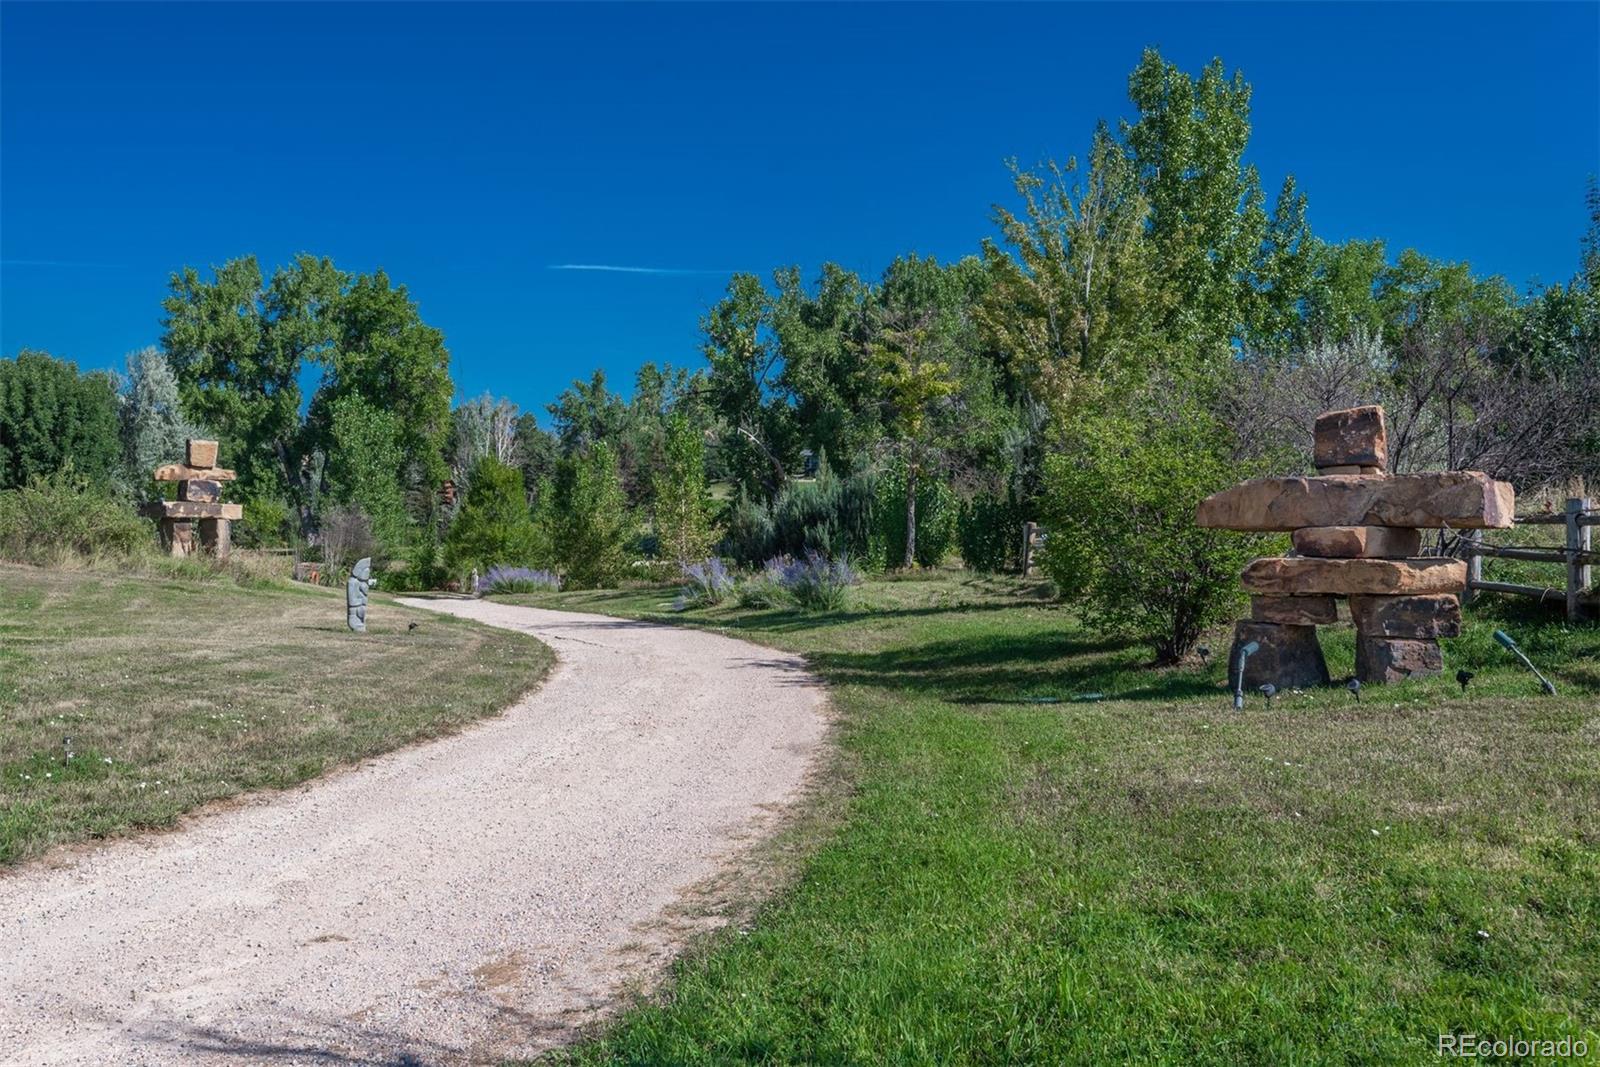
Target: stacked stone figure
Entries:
(1357, 532)
(199, 507)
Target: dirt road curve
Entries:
(455, 902)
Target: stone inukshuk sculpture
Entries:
(1357, 532)
(199, 504)
(355, 594)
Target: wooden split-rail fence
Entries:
(1579, 517)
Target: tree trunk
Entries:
(911, 516)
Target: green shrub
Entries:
(493, 526)
(749, 534)
(764, 589)
(265, 523)
(67, 513)
(989, 528)
(1119, 505)
(52, 418)
(831, 515)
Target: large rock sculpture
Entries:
(199, 507)
(355, 594)
(1357, 535)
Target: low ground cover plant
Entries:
(502, 580)
(704, 583)
(814, 581)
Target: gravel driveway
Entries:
(458, 901)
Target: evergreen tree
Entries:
(154, 426)
(493, 526)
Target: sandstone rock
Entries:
(202, 453)
(189, 509)
(1350, 469)
(1294, 610)
(200, 490)
(1311, 576)
(1415, 617)
(1392, 659)
(1352, 437)
(216, 537)
(1350, 542)
(1286, 656)
(1460, 499)
(177, 536)
(179, 472)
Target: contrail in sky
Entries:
(612, 268)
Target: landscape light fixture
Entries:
(1354, 685)
(1505, 639)
(1245, 652)
(1268, 690)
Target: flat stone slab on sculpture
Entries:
(193, 509)
(1358, 542)
(182, 472)
(1458, 499)
(1294, 610)
(1414, 617)
(1311, 576)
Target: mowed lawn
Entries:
(175, 693)
(1151, 876)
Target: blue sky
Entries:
(474, 151)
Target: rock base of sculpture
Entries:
(1382, 660)
(1289, 657)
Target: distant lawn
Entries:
(176, 693)
(1153, 877)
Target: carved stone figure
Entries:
(355, 594)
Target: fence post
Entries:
(1578, 540)
(1474, 566)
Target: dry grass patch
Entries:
(175, 693)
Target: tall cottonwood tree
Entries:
(240, 343)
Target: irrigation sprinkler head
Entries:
(1245, 652)
(1505, 639)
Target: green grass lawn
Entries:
(1152, 877)
(179, 692)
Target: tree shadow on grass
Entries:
(795, 620)
(1015, 669)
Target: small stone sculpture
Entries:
(355, 594)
